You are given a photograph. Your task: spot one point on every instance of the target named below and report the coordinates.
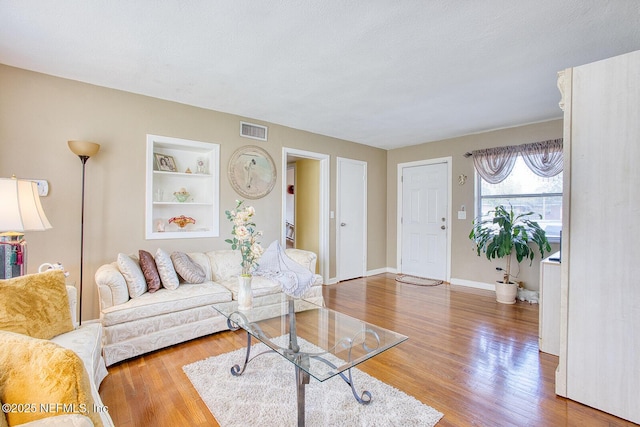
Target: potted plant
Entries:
(500, 235)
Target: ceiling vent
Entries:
(249, 130)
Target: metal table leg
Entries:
(302, 379)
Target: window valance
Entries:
(543, 158)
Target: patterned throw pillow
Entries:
(150, 271)
(187, 268)
(132, 273)
(167, 272)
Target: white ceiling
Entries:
(385, 73)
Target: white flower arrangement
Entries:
(245, 236)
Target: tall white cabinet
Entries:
(599, 362)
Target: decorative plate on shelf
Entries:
(252, 172)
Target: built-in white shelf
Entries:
(191, 166)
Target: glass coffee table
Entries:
(319, 342)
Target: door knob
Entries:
(443, 227)
(342, 224)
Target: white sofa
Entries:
(137, 325)
(86, 342)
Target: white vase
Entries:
(245, 297)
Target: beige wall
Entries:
(40, 113)
(465, 264)
(307, 223)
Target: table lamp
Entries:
(20, 210)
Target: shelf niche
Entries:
(190, 165)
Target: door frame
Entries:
(363, 219)
(426, 162)
(323, 227)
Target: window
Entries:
(526, 192)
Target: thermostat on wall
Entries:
(43, 186)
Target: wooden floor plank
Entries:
(469, 357)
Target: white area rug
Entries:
(266, 395)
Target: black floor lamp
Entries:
(84, 150)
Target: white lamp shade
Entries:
(20, 208)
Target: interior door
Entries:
(351, 219)
(424, 220)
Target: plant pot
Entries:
(506, 292)
(245, 297)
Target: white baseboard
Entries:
(453, 281)
(473, 284)
(334, 280)
(380, 271)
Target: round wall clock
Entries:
(252, 172)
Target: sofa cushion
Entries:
(167, 272)
(110, 275)
(165, 324)
(149, 271)
(86, 342)
(225, 264)
(187, 269)
(41, 372)
(35, 304)
(163, 301)
(306, 259)
(260, 286)
(202, 260)
(132, 273)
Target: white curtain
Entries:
(495, 164)
(543, 158)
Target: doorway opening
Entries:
(305, 204)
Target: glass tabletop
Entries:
(320, 341)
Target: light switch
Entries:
(462, 214)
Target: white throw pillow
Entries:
(132, 273)
(167, 272)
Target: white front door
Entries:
(425, 220)
(351, 218)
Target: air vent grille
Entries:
(249, 130)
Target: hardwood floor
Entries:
(474, 360)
